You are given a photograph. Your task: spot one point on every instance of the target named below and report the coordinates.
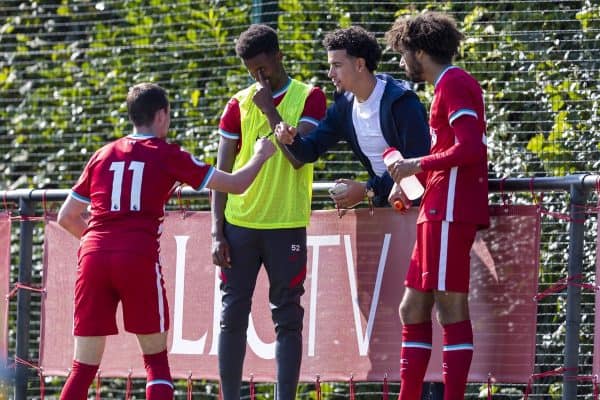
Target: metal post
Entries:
(575, 268)
(264, 13)
(432, 391)
(24, 297)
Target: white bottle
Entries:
(410, 185)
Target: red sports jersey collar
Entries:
(283, 89)
(138, 135)
(441, 75)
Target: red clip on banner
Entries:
(4, 280)
(356, 268)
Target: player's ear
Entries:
(361, 63)
(161, 115)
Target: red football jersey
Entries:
(457, 174)
(127, 182)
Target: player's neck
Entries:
(365, 87)
(281, 83)
(435, 71)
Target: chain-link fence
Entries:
(66, 67)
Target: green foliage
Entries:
(71, 87)
(68, 66)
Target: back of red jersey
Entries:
(127, 183)
(457, 186)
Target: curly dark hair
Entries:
(257, 39)
(433, 32)
(143, 101)
(357, 42)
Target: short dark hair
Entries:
(433, 32)
(257, 39)
(357, 42)
(143, 101)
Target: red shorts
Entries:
(104, 279)
(441, 257)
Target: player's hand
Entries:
(263, 98)
(220, 252)
(285, 133)
(398, 199)
(353, 195)
(403, 168)
(264, 148)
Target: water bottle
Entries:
(410, 185)
(398, 205)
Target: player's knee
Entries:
(406, 313)
(414, 312)
(451, 315)
(451, 307)
(288, 317)
(234, 319)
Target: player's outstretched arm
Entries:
(70, 216)
(241, 179)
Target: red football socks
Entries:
(458, 352)
(79, 381)
(415, 353)
(159, 385)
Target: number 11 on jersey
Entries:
(118, 167)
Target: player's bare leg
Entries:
(88, 354)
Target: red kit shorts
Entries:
(106, 278)
(441, 257)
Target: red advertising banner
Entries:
(4, 282)
(354, 284)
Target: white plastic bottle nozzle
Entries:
(410, 185)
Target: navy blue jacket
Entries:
(403, 123)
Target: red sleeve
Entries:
(315, 106)
(461, 95)
(186, 168)
(81, 191)
(468, 149)
(230, 125)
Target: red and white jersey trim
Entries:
(443, 266)
(161, 301)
